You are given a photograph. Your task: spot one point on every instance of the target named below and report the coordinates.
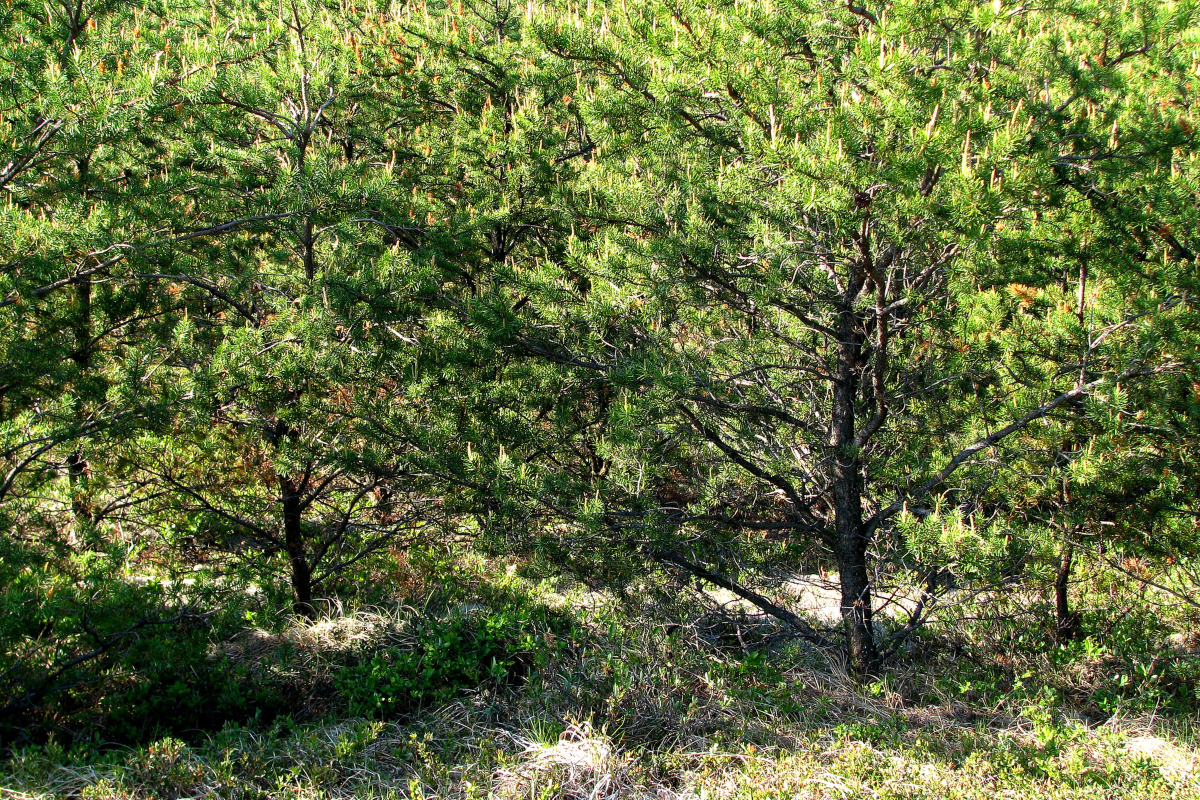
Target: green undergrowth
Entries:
(221, 660)
(1143, 660)
(508, 745)
(485, 683)
(444, 658)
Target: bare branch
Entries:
(807, 631)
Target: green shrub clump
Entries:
(446, 658)
(177, 688)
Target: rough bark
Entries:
(1067, 621)
(850, 545)
(293, 540)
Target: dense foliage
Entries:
(657, 294)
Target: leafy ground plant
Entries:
(618, 699)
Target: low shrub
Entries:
(175, 687)
(444, 658)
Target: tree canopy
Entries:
(728, 291)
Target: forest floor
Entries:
(607, 701)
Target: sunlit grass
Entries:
(652, 702)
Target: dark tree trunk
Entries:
(856, 602)
(293, 539)
(77, 472)
(1067, 621)
(308, 249)
(77, 466)
(850, 546)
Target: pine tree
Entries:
(820, 227)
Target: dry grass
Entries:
(337, 632)
(1176, 764)
(497, 747)
(582, 765)
(651, 707)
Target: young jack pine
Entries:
(812, 222)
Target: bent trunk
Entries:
(293, 539)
